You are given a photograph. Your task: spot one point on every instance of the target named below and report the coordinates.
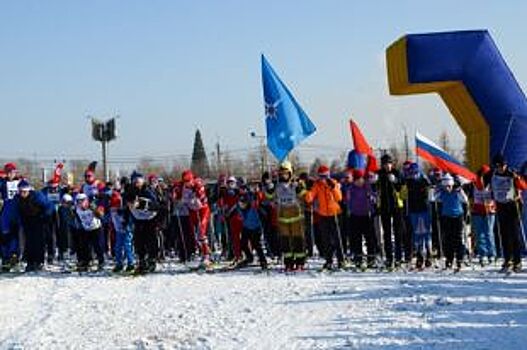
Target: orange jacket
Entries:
(327, 198)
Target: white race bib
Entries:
(12, 189)
(88, 220)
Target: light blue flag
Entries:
(287, 124)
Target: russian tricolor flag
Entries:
(435, 155)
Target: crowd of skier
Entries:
(389, 219)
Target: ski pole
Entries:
(439, 233)
(182, 237)
(312, 232)
(522, 229)
(340, 239)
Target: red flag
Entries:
(361, 146)
(359, 142)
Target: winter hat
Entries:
(232, 179)
(287, 166)
(187, 176)
(358, 174)
(499, 159)
(81, 197)
(386, 159)
(447, 180)
(24, 185)
(67, 198)
(9, 167)
(152, 177)
(323, 171)
(115, 200)
(135, 176)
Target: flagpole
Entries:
(506, 139)
(415, 150)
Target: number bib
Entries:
(503, 188)
(88, 220)
(286, 195)
(12, 189)
(482, 196)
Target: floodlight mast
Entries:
(104, 132)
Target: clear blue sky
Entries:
(168, 67)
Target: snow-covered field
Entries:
(242, 310)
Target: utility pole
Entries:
(263, 151)
(104, 132)
(218, 157)
(406, 145)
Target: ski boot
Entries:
(505, 268)
(517, 268)
(428, 263)
(458, 267)
(151, 266)
(118, 268)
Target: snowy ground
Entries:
(242, 310)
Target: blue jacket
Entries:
(251, 219)
(8, 213)
(451, 202)
(33, 209)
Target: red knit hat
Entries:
(9, 167)
(485, 169)
(323, 170)
(187, 176)
(358, 173)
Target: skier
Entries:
(162, 214)
(484, 216)
(419, 214)
(359, 198)
(435, 176)
(506, 187)
(9, 235)
(345, 216)
(251, 232)
(326, 192)
(123, 234)
(452, 200)
(87, 227)
(33, 210)
(66, 218)
(389, 185)
(268, 212)
(181, 227)
(229, 203)
(52, 194)
(143, 205)
(290, 219)
(195, 199)
(523, 173)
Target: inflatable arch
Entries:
(467, 70)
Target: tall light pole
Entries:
(104, 132)
(263, 150)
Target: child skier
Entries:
(123, 234)
(452, 200)
(87, 230)
(251, 232)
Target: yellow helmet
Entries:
(287, 166)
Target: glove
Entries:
(330, 183)
(391, 178)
